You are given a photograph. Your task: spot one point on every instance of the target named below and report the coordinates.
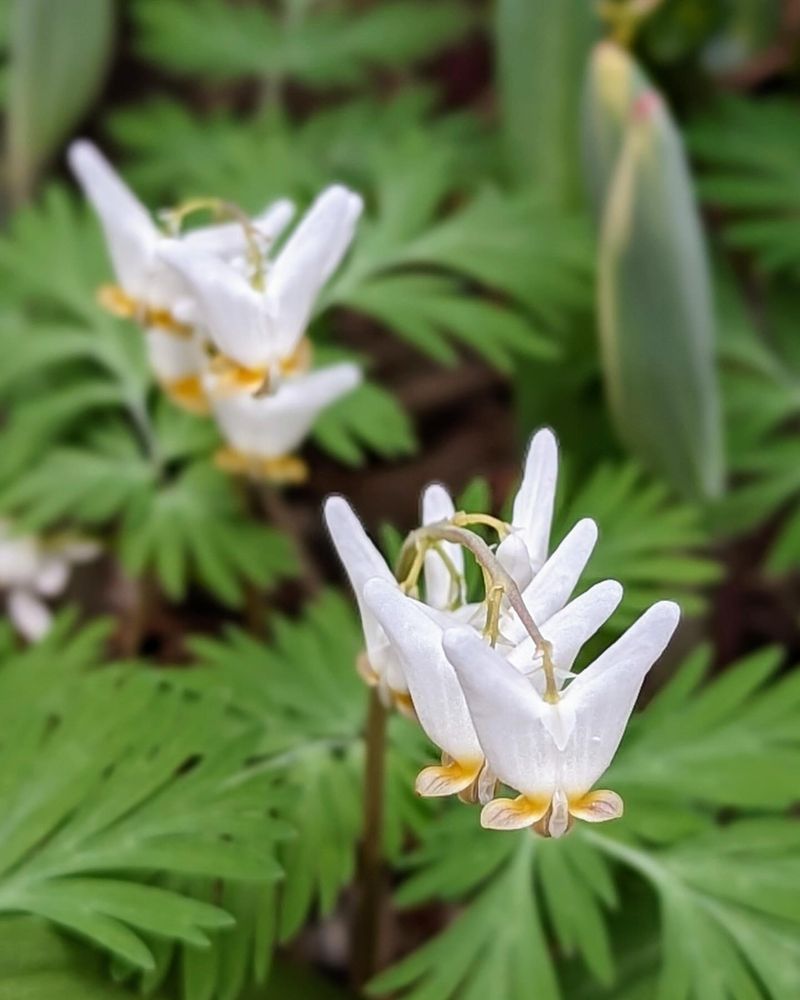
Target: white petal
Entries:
(533, 504)
(311, 255)
(234, 314)
(52, 576)
(20, 558)
(130, 233)
(435, 691)
(437, 505)
(507, 713)
(230, 239)
(604, 694)
(172, 357)
(362, 562)
(514, 557)
(275, 425)
(30, 616)
(555, 581)
(569, 629)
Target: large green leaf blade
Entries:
(541, 49)
(59, 55)
(655, 309)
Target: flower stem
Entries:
(499, 584)
(370, 887)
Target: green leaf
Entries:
(369, 418)
(537, 43)
(58, 60)
(728, 893)
(750, 153)
(655, 312)
(324, 45)
(653, 543)
(310, 705)
(142, 787)
(38, 963)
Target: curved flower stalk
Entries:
(147, 289)
(554, 753)
(32, 569)
(263, 431)
(258, 326)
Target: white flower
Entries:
(262, 431)
(260, 331)
(415, 635)
(362, 562)
(554, 753)
(150, 291)
(31, 570)
(532, 510)
(547, 587)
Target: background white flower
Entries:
(31, 570)
(260, 329)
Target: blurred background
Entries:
(581, 215)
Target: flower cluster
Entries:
(491, 683)
(225, 320)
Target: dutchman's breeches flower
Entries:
(553, 750)
(257, 322)
(461, 667)
(148, 290)
(31, 570)
(263, 431)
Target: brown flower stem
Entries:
(366, 937)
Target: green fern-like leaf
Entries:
(327, 46)
(143, 785)
(650, 541)
(182, 526)
(733, 743)
(751, 152)
(311, 705)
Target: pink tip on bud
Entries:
(646, 106)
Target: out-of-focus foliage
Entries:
(762, 389)
(331, 47)
(655, 312)
(653, 544)
(538, 43)
(750, 151)
(59, 54)
(730, 893)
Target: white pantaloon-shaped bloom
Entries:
(545, 593)
(263, 431)
(150, 291)
(31, 571)
(260, 330)
(362, 562)
(415, 634)
(516, 726)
